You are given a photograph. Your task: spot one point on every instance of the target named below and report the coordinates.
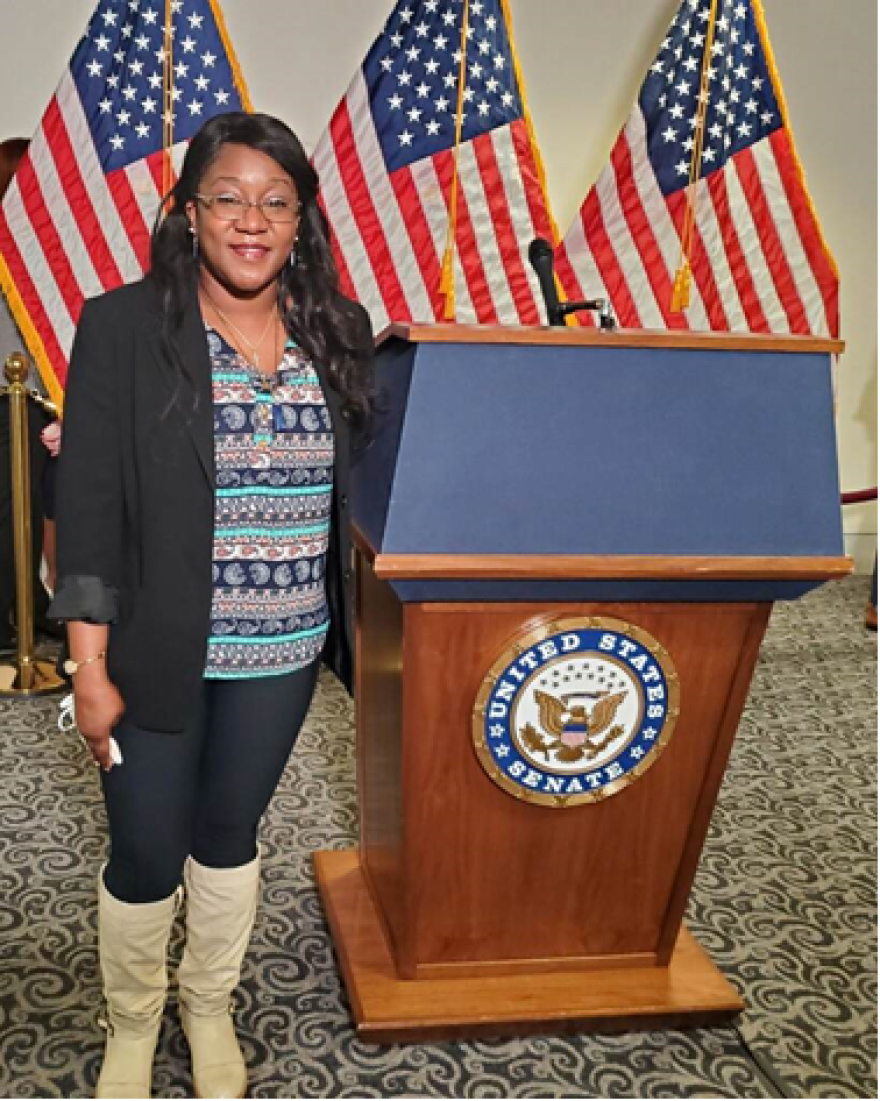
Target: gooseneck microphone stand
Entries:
(541, 259)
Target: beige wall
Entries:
(583, 61)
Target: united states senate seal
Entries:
(575, 711)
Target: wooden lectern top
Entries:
(621, 338)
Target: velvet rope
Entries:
(859, 495)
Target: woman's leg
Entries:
(150, 799)
(252, 728)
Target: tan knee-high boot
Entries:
(220, 911)
(133, 951)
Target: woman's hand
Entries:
(98, 707)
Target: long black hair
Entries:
(315, 313)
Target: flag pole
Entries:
(447, 274)
(681, 290)
(168, 103)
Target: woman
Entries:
(203, 565)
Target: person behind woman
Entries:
(51, 437)
(12, 152)
(203, 565)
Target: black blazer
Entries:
(135, 504)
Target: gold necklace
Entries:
(253, 347)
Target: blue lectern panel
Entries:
(512, 449)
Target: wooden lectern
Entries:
(634, 502)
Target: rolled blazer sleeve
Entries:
(89, 510)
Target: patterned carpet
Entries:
(784, 901)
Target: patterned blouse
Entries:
(273, 446)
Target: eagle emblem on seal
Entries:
(574, 731)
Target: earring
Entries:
(294, 256)
(195, 244)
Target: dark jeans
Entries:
(39, 457)
(200, 793)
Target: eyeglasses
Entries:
(233, 208)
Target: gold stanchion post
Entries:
(29, 676)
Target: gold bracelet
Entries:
(70, 666)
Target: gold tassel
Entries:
(681, 289)
(447, 283)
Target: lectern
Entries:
(568, 547)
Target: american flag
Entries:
(759, 260)
(76, 219)
(386, 165)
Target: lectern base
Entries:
(690, 992)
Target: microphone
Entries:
(541, 259)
